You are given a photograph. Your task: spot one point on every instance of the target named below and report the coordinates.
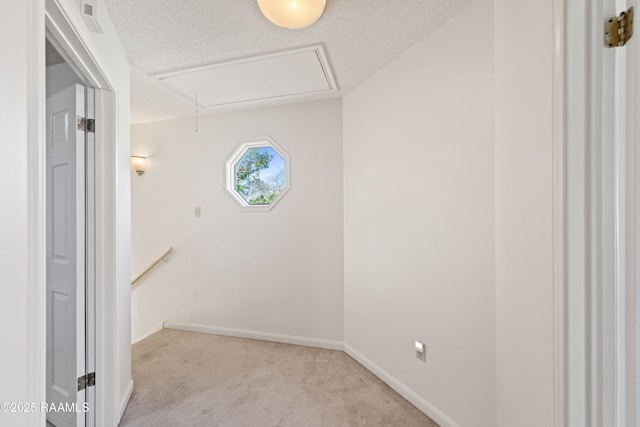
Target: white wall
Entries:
(419, 219)
(22, 94)
(523, 187)
(14, 209)
(276, 272)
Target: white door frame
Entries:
(50, 18)
(580, 209)
(601, 256)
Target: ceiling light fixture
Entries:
(292, 14)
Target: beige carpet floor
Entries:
(191, 379)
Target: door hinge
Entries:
(88, 380)
(86, 125)
(618, 30)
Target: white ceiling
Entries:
(360, 37)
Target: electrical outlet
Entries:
(197, 211)
(421, 351)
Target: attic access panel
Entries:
(289, 74)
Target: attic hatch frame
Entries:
(317, 49)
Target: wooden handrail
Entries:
(151, 267)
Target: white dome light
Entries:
(292, 14)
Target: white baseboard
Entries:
(125, 400)
(431, 411)
(151, 332)
(256, 335)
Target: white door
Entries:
(65, 175)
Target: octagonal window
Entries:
(257, 174)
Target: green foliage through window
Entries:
(260, 176)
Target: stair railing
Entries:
(152, 266)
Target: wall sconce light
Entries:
(138, 164)
(292, 14)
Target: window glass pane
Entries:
(260, 176)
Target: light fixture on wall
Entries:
(138, 164)
(292, 14)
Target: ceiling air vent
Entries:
(89, 10)
(283, 75)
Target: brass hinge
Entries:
(86, 125)
(88, 380)
(618, 30)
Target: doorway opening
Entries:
(94, 66)
(70, 244)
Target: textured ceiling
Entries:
(360, 36)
